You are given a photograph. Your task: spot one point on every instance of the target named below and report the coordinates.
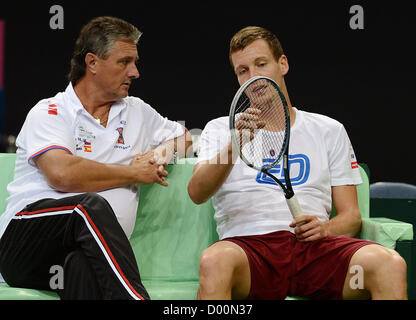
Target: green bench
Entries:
(171, 232)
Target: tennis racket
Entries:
(260, 131)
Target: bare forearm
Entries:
(348, 218)
(182, 145)
(347, 221)
(90, 176)
(208, 177)
(348, 224)
(69, 173)
(83, 175)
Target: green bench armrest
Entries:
(386, 231)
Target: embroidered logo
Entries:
(121, 143)
(120, 139)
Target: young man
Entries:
(263, 253)
(80, 159)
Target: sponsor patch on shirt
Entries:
(84, 139)
(53, 109)
(87, 146)
(354, 163)
(299, 165)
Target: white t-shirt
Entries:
(62, 122)
(251, 203)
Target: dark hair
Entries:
(249, 34)
(98, 37)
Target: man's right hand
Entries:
(248, 124)
(149, 170)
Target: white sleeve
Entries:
(45, 128)
(343, 163)
(213, 139)
(161, 129)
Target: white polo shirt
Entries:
(251, 203)
(62, 122)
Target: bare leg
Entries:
(383, 275)
(224, 272)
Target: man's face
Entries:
(114, 74)
(257, 60)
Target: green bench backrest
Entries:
(7, 161)
(171, 231)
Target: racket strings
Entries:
(262, 146)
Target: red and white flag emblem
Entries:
(87, 146)
(53, 109)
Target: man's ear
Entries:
(283, 64)
(91, 62)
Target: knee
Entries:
(93, 198)
(93, 203)
(388, 261)
(218, 263)
(397, 264)
(385, 273)
(209, 263)
(215, 271)
(379, 262)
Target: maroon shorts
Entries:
(281, 266)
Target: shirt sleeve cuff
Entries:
(43, 150)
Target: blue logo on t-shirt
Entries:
(299, 168)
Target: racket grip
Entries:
(294, 206)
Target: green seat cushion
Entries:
(171, 290)
(9, 293)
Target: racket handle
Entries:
(294, 206)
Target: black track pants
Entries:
(79, 235)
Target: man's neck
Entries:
(91, 99)
(292, 112)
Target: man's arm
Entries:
(182, 145)
(69, 173)
(209, 175)
(348, 219)
(346, 222)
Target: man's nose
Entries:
(254, 73)
(134, 72)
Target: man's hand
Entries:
(248, 124)
(309, 228)
(151, 168)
